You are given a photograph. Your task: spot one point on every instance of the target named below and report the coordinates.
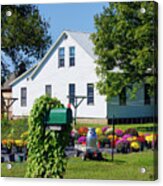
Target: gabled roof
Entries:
(82, 38)
(6, 86)
(23, 75)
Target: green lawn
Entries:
(125, 166)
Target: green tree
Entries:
(25, 37)
(126, 37)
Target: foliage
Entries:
(46, 148)
(13, 128)
(25, 37)
(126, 39)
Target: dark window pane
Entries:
(72, 56)
(61, 55)
(122, 97)
(90, 94)
(48, 90)
(24, 97)
(147, 99)
(72, 61)
(72, 93)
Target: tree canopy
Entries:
(25, 37)
(126, 39)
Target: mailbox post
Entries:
(58, 119)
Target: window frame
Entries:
(71, 56)
(23, 98)
(46, 90)
(61, 57)
(72, 93)
(90, 102)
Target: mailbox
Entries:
(58, 118)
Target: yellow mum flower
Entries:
(135, 145)
(98, 131)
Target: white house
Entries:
(68, 68)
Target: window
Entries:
(122, 97)
(72, 93)
(24, 97)
(147, 99)
(48, 90)
(61, 57)
(90, 94)
(72, 56)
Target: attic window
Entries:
(72, 56)
(61, 57)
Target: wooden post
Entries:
(113, 133)
(75, 111)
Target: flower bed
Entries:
(126, 141)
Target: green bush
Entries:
(46, 148)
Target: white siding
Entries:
(81, 74)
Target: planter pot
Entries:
(142, 146)
(12, 157)
(2, 159)
(20, 158)
(19, 149)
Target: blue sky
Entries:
(71, 16)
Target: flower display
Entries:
(110, 137)
(141, 139)
(104, 129)
(108, 131)
(122, 145)
(124, 141)
(74, 133)
(81, 139)
(19, 143)
(132, 131)
(150, 138)
(119, 132)
(135, 145)
(83, 131)
(4, 141)
(126, 136)
(98, 131)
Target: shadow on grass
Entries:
(114, 161)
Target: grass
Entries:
(124, 167)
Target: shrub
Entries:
(46, 148)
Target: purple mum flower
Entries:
(81, 139)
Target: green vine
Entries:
(46, 148)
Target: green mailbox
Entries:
(59, 118)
